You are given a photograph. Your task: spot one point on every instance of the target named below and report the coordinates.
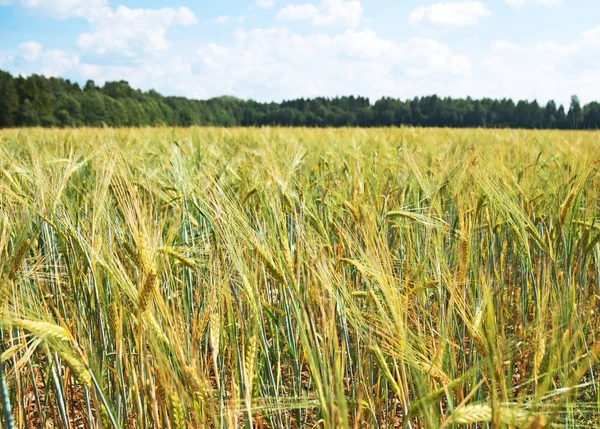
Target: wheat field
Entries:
(274, 278)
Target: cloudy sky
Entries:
(281, 49)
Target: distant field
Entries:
(175, 278)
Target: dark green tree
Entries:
(550, 112)
(37, 100)
(28, 115)
(9, 101)
(575, 113)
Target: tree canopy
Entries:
(54, 102)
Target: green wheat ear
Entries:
(43, 330)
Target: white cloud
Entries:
(519, 3)
(550, 50)
(30, 51)
(329, 12)
(63, 9)
(129, 31)
(125, 31)
(438, 59)
(503, 46)
(450, 14)
(222, 20)
(545, 70)
(226, 20)
(592, 37)
(297, 12)
(57, 63)
(275, 63)
(266, 3)
(176, 77)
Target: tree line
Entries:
(55, 102)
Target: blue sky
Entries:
(281, 49)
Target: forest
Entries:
(55, 102)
